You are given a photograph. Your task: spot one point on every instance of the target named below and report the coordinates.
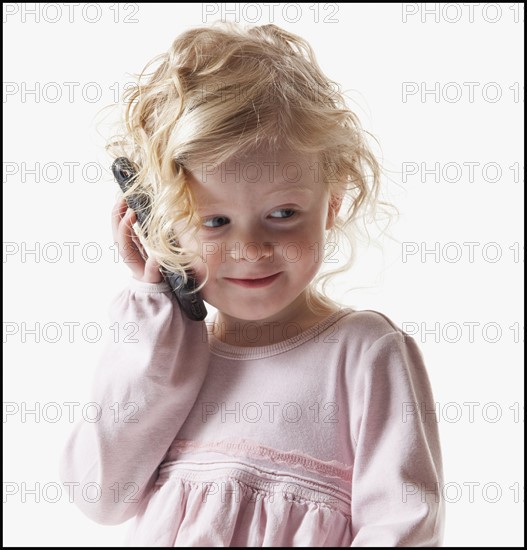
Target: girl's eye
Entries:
(293, 212)
(211, 221)
(219, 221)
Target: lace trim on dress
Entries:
(248, 449)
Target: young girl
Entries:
(284, 419)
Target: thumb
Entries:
(152, 272)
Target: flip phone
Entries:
(190, 302)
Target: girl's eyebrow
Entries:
(290, 187)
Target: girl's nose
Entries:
(251, 248)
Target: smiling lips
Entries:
(254, 283)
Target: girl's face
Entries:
(260, 218)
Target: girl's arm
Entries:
(398, 472)
(145, 390)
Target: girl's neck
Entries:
(290, 322)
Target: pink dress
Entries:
(317, 440)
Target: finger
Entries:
(139, 246)
(128, 248)
(118, 211)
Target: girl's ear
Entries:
(335, 203)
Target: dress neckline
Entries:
(222, 349)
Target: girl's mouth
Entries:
(254, 283)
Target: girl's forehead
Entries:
(280, 169)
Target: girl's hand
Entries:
(144, 269)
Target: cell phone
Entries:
(190, 302)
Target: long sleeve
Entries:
(147, 380)
(398, 473)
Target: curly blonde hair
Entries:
(226, 91)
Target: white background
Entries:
(370, 50)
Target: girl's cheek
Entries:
(207, 262)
